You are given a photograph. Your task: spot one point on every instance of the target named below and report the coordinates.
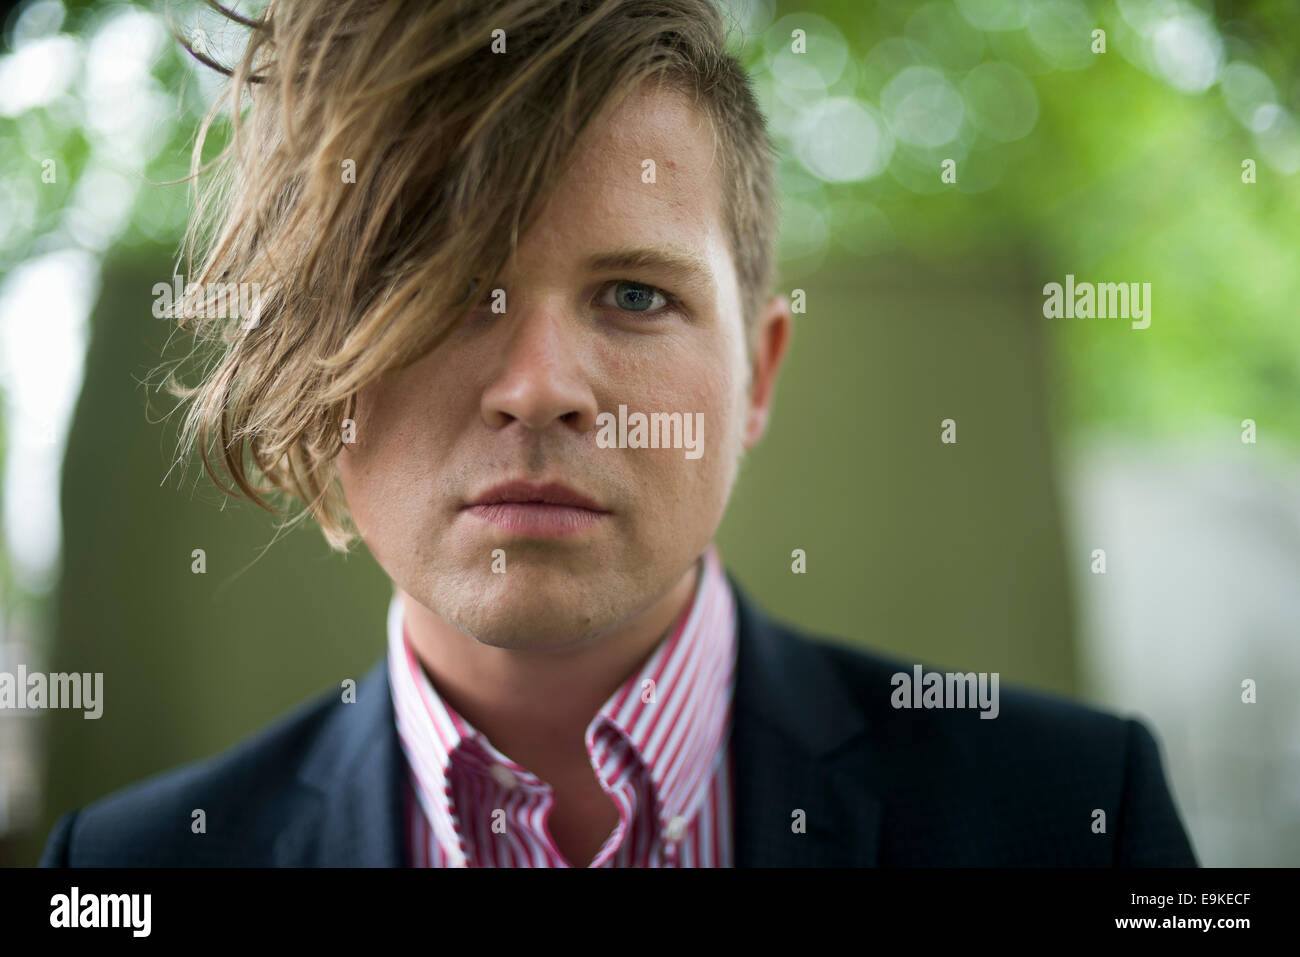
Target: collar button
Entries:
(504, 777)
(676, 828)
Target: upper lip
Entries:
(539, 493)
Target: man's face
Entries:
(515, 397)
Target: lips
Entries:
(536, 509)
(536, 493)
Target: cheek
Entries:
(715, 386)
(354, 491)
(695, 486)
(381, 469)
(361, 470)
(399, 420)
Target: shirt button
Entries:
(676, 828)
(504, 777)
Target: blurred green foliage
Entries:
(1123, 177)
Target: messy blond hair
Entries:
(453, 147)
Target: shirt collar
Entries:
(674, 711)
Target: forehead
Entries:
(647, 176)
(651, 124)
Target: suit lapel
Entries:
(800, 744)
(355, 776)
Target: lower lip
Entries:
(536, 519)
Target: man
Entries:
(514, 331)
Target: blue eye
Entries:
(636, 297)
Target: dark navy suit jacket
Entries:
(814, 730)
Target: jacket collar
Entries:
(354, 775)
(800, 744)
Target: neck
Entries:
(535, 706)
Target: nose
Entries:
(540, 377)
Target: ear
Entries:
(770, 341)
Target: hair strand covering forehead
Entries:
(383, 158)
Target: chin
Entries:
(530, 607)
(523, 629)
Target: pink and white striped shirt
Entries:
(660, 744)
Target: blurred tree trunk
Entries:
(191, 662)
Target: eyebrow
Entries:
(689, 269)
